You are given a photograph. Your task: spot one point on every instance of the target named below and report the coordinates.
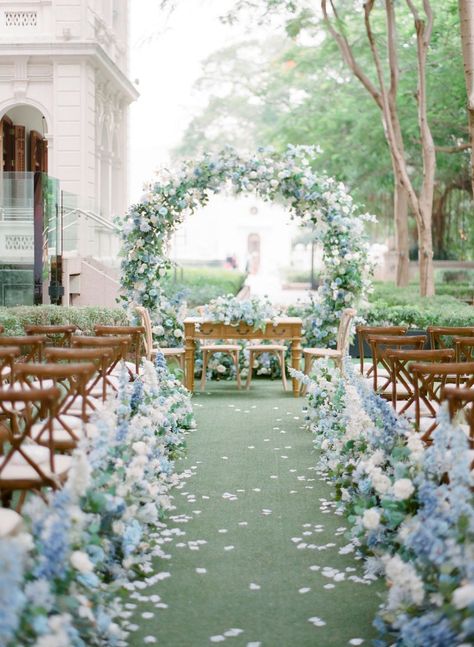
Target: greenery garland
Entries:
(312, 198)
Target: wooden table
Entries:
(285, 328)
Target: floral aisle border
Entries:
(410, 507)
(311, 198)
(62, 577)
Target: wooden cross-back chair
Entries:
(56, 335)
(464, 347)
(71, 408)
(25, 465)
(135, 333)
(102, 359)
(31, 347)
(8, 357)
(442, 336)
(380, 345)
(150, 349)
(364, 332)
(228, 347)
(461, 400)
(403, 387)
(119, 347)
(430, 381)
(342, 342)
(256, 349)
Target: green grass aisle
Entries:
(254, 542)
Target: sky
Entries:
(166, 51)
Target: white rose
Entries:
(81, 562)
(463, 596)
(178, 333)
(159, 331)
(221, 368)
(378, 457)
(139, 447)
(403, 489)
(381, 482)
(371, 519)
(415, 445)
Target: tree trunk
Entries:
(466, 12)
(425, 258)
(401, 234)
(439, 222)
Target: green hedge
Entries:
(85, 317)
(391, 294)
(404, 306)
(199, 285)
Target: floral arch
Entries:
(312, 198)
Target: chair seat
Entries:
(13, 472)
(263, 348)
(10, 523)
(168, 352)
(74, 422)
(35, 452)
(221, 348)
(92, 404)
(62, 440)
(118, 369)
(410, 412)
(322, 352)
(113, 383)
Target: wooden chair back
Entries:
(102, 358)
(8, 356)
(464, 347)
(399, 362)
(56, 335)
(72, 378)
(379, 345)
(146, 323)
(430, 381)
(461, 400)
(118, 345)
(344, 329)
(24, 407)
(31, 347)
(442, 336)
(363, 332)
(135, 333)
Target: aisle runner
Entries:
(257, 554)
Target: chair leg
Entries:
(281, 357)
(308, 363)
(249, 374)
(204, 369)
(235, 356)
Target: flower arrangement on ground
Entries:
(410, 506)
(97, 535)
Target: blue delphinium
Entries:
(12, 597)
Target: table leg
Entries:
(296, 364)
(189, 351)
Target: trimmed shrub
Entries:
(85, 317)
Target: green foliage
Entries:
(199, 285)
(85, 317)
(461, 275)
(396, 306)
(298, 90)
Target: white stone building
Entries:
(64, 97)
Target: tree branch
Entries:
(348, 55)
(395, 150)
